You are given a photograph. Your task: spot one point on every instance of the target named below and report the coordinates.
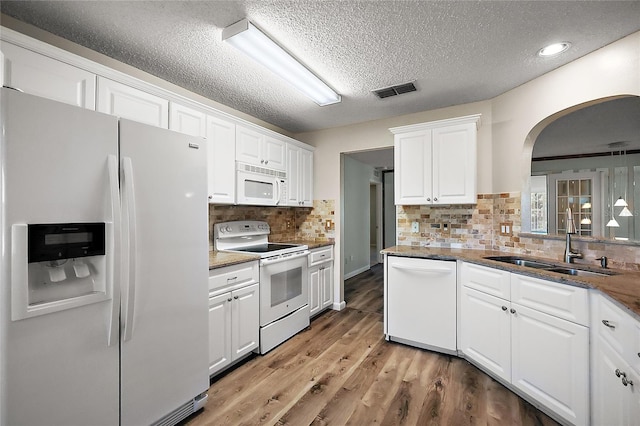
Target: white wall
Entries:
(357, 177)
(389, 211)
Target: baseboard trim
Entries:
(356, 272)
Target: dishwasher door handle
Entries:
(419, 269)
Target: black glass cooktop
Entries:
(265, 248)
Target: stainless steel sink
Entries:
(529, 263)
(520, 261)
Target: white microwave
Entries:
(260, 186)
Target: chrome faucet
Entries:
(569, 254)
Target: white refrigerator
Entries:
(104, 268)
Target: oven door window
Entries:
(258, 189)
(286, 286)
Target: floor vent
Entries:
(385, 92)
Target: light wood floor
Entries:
(341, 371)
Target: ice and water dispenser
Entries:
(58, 266)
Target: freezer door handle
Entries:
(114, 240)
(130, 261)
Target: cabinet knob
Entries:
(435, 198)
(513, 311)
(210, 196)
(627, 382)
(428, 199)
(608, 324)
(504, 308)
(236, 297)
(620, 373)
(261, 161)
(229, 300)
(266, 161)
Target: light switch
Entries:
(415, 227)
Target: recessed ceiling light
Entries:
(554, 49)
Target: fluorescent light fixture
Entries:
(554, 49)
(626, 212)
(620, 202)
(244, 36)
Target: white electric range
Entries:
(284, 281)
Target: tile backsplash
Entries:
(286, 223)
(494, 223)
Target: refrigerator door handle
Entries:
(129, 273)
(114, 245)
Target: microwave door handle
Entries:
(114, 242)
(278, 191)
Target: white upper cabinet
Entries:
(300, 176)
(187, 120)
(435, 162)
(42, 76)
(256, 148)
(127, 102)
(221, 152)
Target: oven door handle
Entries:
(284, 258)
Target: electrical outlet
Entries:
(415, 227)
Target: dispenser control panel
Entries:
(65, 241)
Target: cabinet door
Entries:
(412, 165)
(249, 146)
(326, 281)
(550, 362)
(42, 76)
(126, 102)
(454, 164)
(485, 331)
(245, 320)
(305, 178)
(187, 120)
(293, 175)
(314, 290)
(274, 153)
(610, 398)
(221, 163)
(421, 299)
(219, 332)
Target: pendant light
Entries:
(613, 223)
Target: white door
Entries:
(305, 178)
(274, 153)
(412, 168)
(610, 398)
(422, 301)
(326, 281)
(550, 362)
(221, 160)
(485, 331)
(314, 290)
(293, 175)
(454, 164)
(164, 353)
(187, 120)
(45, 77)
(127, 102)
(245, 320)
(219, 332)
(57, 368)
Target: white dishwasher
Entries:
(420, 303)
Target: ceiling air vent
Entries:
(385, 92)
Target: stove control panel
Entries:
(240, 228)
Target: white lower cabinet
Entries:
(615, 351)
(543, 356)
(420, 302)
(320, 280)
(234, 314)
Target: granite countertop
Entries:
(623, 288)
(219, 259)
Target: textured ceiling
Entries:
(456, 51)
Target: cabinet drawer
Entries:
(487, 280)
(560, 300)
(320, 255)
(233, 276)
